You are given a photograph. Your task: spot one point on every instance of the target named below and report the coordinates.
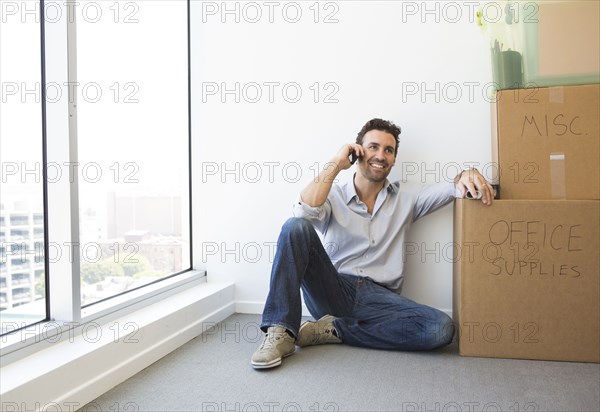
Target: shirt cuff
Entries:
(455, 191)
(301, 209)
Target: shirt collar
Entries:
(350, 190)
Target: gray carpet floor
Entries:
(213, 373)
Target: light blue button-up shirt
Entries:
(363, 244)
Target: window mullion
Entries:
(62, 164)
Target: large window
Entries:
(116, 161)
(133, 144)
(22, 265)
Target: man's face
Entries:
(380, 149)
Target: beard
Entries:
(370, 171)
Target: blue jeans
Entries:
(367, 314)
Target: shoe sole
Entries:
(274, 363)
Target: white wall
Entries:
(379, 58)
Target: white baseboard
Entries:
(258, 307)
(78, 370)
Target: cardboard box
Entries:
(526, 279)
(546, 142)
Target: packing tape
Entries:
(478, 195)
(557, 175)
(556, 94)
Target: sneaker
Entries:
(276, 345)
(318, 333)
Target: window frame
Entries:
(64, 312)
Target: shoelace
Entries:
(268, 342)
(324, 336)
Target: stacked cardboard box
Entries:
(527, 281)
(546, 142)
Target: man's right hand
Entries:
(318, 189)
(342, 158)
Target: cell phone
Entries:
(353, 158)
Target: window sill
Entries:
(109, 347)
(23, 342)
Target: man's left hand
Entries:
(471, 180)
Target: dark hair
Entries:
(382, 125)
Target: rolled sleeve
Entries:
(318, 216)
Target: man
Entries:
(352, 286)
